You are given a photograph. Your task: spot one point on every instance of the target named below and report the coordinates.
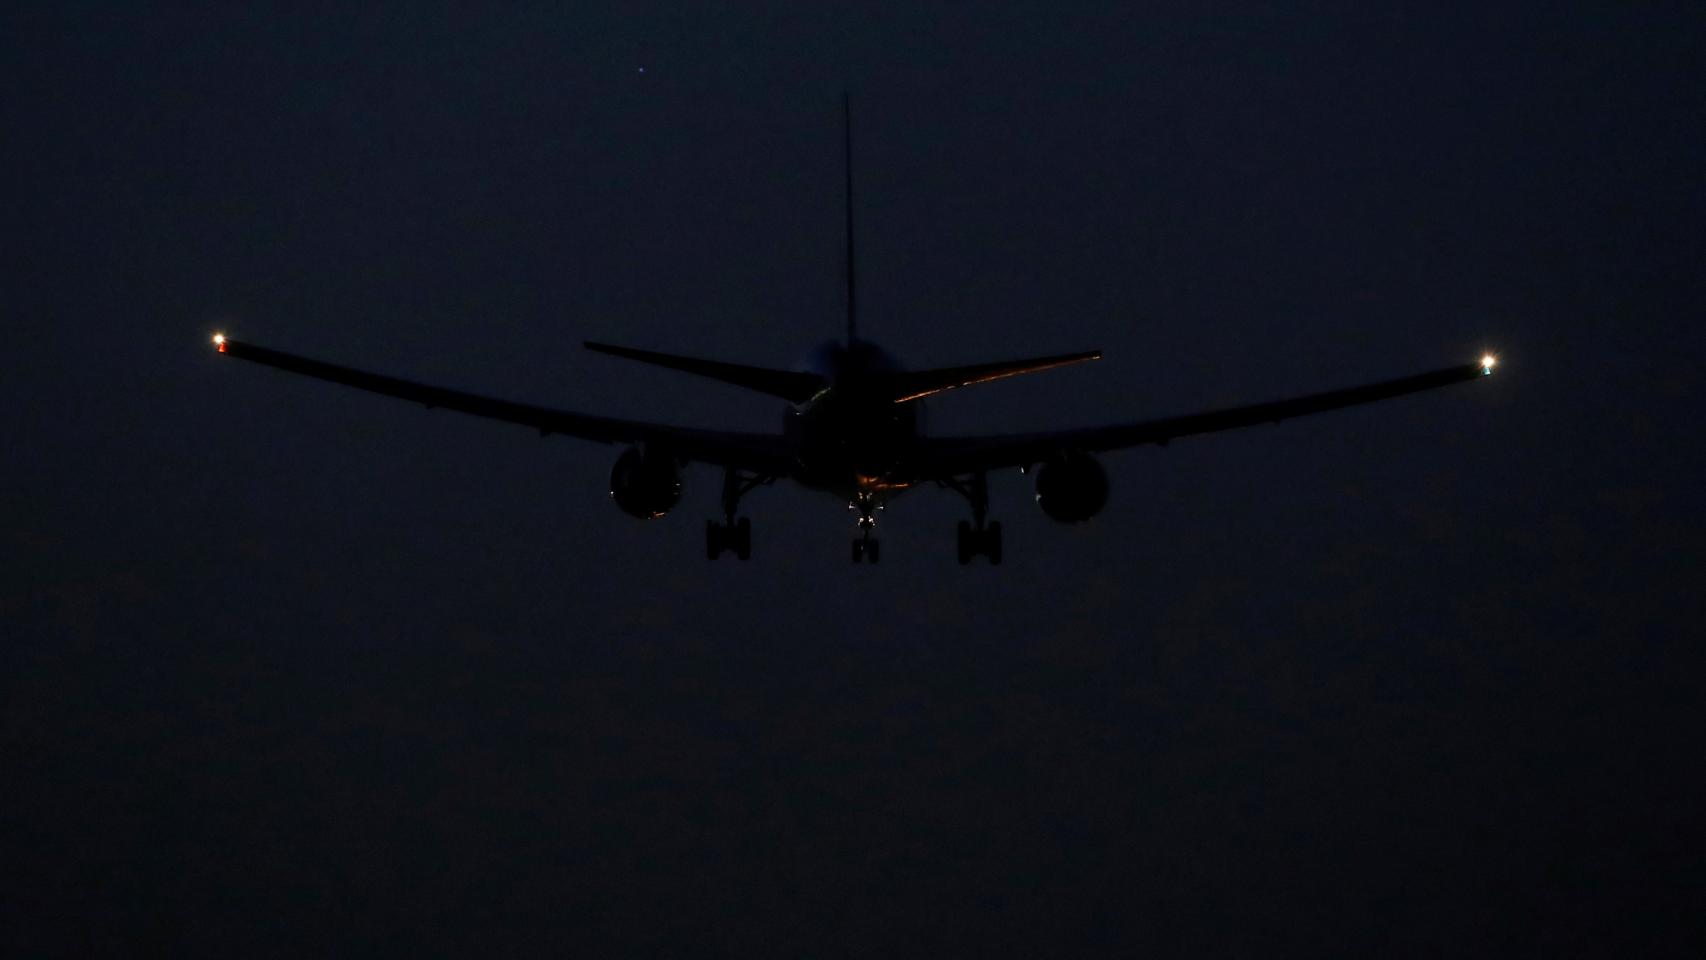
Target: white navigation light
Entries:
(219, 341)
(1487, 362)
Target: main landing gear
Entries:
(974, 540)
(733, 534)
(976, 537)
(867, 547)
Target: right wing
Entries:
(951, 456)
(761, 453)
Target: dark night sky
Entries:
(293, 670)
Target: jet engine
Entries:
(1072, 487)
(645, 484)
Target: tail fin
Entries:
(791, 386)
(917, 384)
(847, 158)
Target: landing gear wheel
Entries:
(976, 536)
(743, 539)
(872, 554)
(734, 534)
(973, 541)
(734, 537)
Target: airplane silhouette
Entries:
(852, 429)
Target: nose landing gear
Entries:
(867, 547)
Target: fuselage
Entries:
(850, 438)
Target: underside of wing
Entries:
(953, 456)
(762, 453)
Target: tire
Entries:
(743, 539)
(713, 540)
(858, 550)
(872, 554)
(992, 543)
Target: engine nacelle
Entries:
(1072, 487)
(645, 485)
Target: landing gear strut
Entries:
(866, 548)
(976, 537)
(733, 534)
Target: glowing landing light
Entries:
(219, 341)
(1487, 363)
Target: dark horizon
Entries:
(289, 668)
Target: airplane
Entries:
(852, 429)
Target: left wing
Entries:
(951, 456)
(761, 453)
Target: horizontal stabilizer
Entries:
(790, 385)
(916, 384)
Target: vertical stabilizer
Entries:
(847, 152)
